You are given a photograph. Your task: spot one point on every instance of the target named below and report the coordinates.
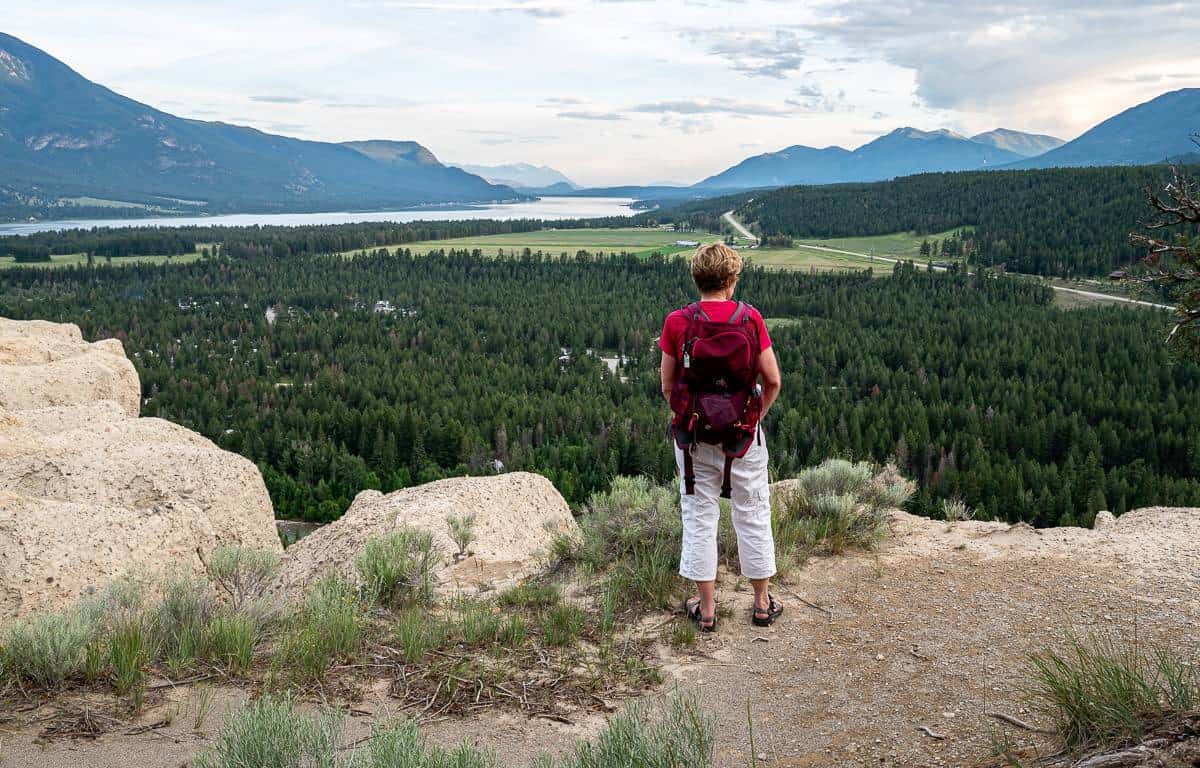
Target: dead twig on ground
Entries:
(812, 605)
(925, 729)
(1017, 723)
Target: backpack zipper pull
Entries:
(687, 360)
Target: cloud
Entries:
(752, 51)
(1005, 55)
(535, 9)
(279, 99)
(813, 99)
(713, 107)
(589, 115)
(687, 125)
(494, 138)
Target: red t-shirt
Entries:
(676, 325)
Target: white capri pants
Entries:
(751, 503)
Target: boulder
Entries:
(517, 517)
(47, 364)
(1104, 521)
(88, 491)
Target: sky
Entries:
(625, 91)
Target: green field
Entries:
(807, 259)
(899, 245)
(638, 240)
(79, 259)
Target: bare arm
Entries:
(666, 372)
(772, 380)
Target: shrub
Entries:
(836, 477)
(397, 569)
(47, 650)
(1108, 693)
(270, 733)
(462, 532)
(179, 621)
(956, 510)
(633, 512)
(241, 572)
(634, 533)
(680, 736)
(836, 506)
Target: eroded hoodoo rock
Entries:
(88, 491)
(517, 517)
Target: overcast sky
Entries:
(625, 91)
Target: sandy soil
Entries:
(934, 631)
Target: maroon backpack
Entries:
(716, 398)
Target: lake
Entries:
(548, 208)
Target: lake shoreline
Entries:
(547, 208)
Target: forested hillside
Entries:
(1060, 222)
(977, 386)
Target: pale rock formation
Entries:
(517, 517)
(88, 491)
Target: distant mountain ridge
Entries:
(1027, 144)
(902, 152)
(522, 176)
(1153, 132)
(61, 134)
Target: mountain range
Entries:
(1154, 132)
(65, 138)
(523, 177)
(61, 134)
(902, 152)
(1157, 131)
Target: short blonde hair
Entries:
(715, 266)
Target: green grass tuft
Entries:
(397, 569)
(562, 624)
(1108, 693)
(329, 626)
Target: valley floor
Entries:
(934, 631)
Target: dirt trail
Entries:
(933, 631)
(936, 632)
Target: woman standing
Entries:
(720, 376)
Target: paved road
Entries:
(1078, 292)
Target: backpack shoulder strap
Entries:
(739, 313)
(694, 310)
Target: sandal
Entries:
(765, 617)
(691, 608)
